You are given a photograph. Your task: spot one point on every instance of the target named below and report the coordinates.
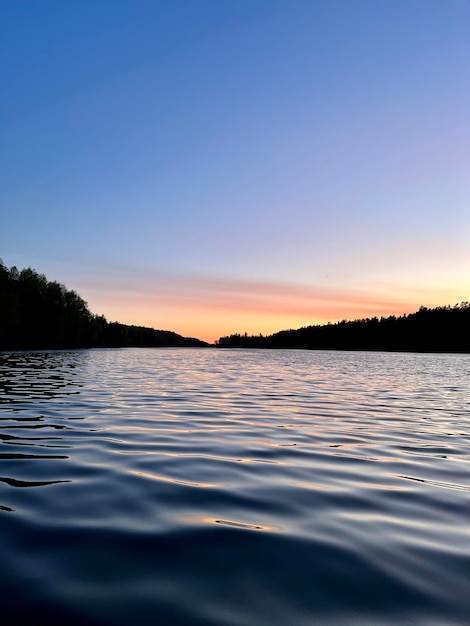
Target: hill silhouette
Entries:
(441, 329)
(36, 313)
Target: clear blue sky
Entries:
(213, 166)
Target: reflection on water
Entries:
(234, 487)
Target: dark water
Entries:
(234, 488)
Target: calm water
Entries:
(234, 488)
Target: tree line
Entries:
(36, 313)
(440, 329)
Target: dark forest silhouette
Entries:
(442, 329)
(36, 313)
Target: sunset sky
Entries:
(219, 166)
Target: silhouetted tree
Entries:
(442, 329)
(36, 313)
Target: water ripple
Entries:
(234, 487)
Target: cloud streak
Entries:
(235, 294)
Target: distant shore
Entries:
(441, 329)
(36, 313)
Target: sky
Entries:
(221, 166)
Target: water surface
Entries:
(234, 487)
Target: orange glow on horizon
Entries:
(209, 308)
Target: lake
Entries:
(234, 487)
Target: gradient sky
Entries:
(219, 166)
